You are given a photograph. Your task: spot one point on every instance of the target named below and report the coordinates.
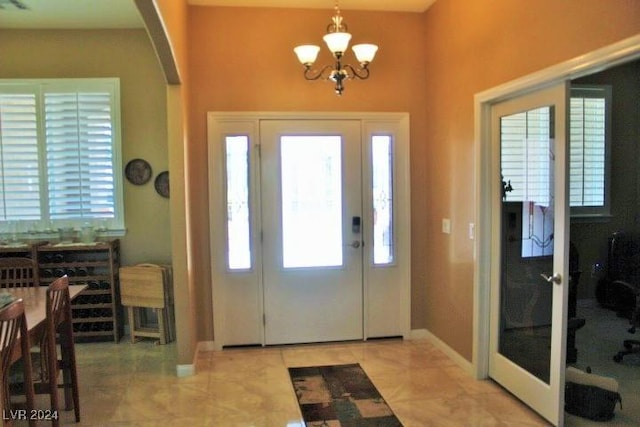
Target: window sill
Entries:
(52, 236)
(594, 218)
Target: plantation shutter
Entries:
(19, 177)
(80, 151)
(525, 155)
(587, 166)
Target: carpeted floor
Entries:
(597, 342)
(340, 395)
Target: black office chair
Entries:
(623, 266)
(619, 289)
(631, 346)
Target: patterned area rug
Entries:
(340, 396)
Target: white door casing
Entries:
(609, 56)
(239, 295)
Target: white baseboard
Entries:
(418, 334)
(442, 346)
(190, 369)
(206, 346)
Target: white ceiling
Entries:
(71, 14)
(86, 14)
(390, 5)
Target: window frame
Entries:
(45, 227)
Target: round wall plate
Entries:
(162, 184)
(138, 171)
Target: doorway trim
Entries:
(609, 56)
(369, 122)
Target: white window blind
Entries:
(524, 152)
(19, 160)
(525, 155)
(588, 149)
(60, 148)
(79, 141)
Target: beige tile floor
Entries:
(135, 385)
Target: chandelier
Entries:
(337, 40)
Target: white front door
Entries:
(309, 220)
(311, 223)
(529, 271)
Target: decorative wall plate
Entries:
(162, 183)
(138, 171)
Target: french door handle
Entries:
(556, 278)
(355, 244)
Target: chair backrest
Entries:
(624, 257)
(18, 273)
(12, 321)
(58, 302)
(58, 311)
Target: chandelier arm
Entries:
(361, 73)
(310, 74)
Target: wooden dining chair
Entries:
(12, 323)
(47, 362)
(18, 272)
(59, 330)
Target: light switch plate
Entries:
(446, 225)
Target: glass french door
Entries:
(529, 273)
(312, 273)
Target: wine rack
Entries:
(97, 313)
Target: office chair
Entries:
(631, 346)
(619, 289)
(623, 266)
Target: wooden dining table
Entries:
(35, 307)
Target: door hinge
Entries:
(264, 319)
(258, 149)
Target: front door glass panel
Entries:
(237, 193)
(382, 171)
(311, 189)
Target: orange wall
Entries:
(241, 59)
(472, 46)
(430, 65)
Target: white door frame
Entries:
(371, 123)
(609, 56)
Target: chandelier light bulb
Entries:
(337, 42)
(365, 52)
(307, 53)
